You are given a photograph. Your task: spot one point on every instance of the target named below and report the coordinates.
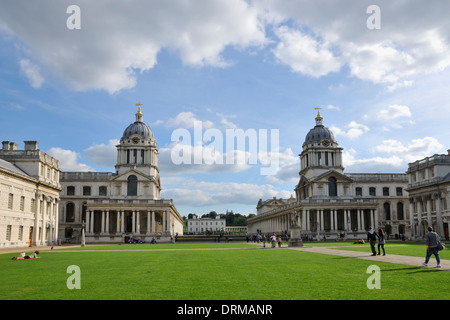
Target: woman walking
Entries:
(381, 241)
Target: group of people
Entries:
(373, 237)
(432, 242)
(272, 238)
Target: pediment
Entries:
(332, 173)
(140, 176)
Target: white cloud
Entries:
(394, 112)
(103, 154)
(187, 120)
(68, 160)
(392, 155)
(352, 131)
(415, 150)
(31, 71)
(201, 193)
(118, 40)
(304, 54)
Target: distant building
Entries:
(29, 196)
(206, 225)
(114, 207)
(334, 204)
(429, 195)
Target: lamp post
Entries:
(83, 235)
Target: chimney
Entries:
(31, 145)
(12, 146)
(5, 145)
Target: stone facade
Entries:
(429, 195)
(29, 196)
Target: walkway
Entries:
(389, 258)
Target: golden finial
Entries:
(318, 112)
(139, 105)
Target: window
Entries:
(387, 210)
(326, 158)
(399, 192)
(22, 203)
(20, 237)
(132, 186)
(8, 232)
(70, 190)
(102, 191)
(10, 201)
(373, 191)
(400, 211)
(86, 191)
(359, 191)
(70, 212)
(332, 187)
(386, 191)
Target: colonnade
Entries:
(156, 222)
(312, 220)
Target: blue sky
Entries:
(231, 64)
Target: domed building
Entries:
(127, 204)
(332, 204)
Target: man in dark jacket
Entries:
(372, 238)
(432, 241)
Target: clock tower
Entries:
(321, 152)
(137, 152)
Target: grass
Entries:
(246, 273)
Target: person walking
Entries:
(381, 241)
(432, 242)
(372, 238)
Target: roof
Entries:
(12, 167)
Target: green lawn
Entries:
(247, 272)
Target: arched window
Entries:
(70, 212)
(400, 211)
(332, 187)
(132, 186)
(387, 210)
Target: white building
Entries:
(429, 195)
(334, 204)
(124, 204)
(29, 196)
(206, 225)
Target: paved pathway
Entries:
(390, 258)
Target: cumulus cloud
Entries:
(352, 131)
(69, 160)
(103, 154)
(118, 40)
(304, 54)
(392, 155)
(194, 193)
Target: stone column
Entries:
(411, 218)
(148, 222)
(107, 222)
(92, 221)
(153, 221)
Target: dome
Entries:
(138, 128)
(320, 133)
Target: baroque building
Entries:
(113, 207)
(333, 204)
(29, 196)
(429, 195)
